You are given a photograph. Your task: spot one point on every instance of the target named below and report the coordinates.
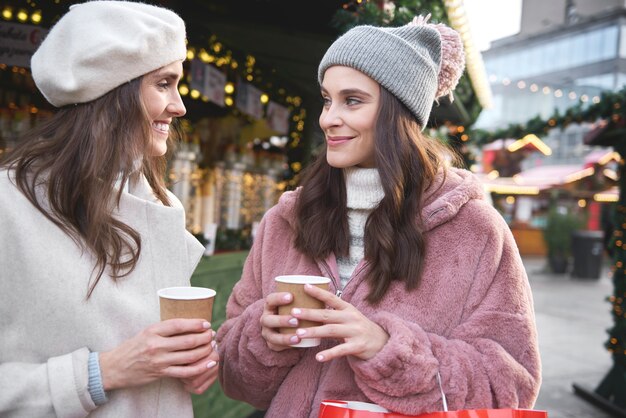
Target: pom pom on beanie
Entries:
(100, 45)
(418, 62)
(452, 56)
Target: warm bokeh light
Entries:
(22, 16)
(183, 89)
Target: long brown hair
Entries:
(75, 158)
(395, 245)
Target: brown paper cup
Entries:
(295, 285)
(186, 302)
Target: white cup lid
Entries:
(302, 279)
(186, 293)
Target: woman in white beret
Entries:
(89, 232)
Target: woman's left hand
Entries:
(199, 384)
(361, 337)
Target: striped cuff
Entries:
(96, 390)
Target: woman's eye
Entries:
(163, 85)
(352, 101)
(325, 101)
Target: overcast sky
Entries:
(492, 19)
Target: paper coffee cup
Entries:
(294, 284)
(186, 302)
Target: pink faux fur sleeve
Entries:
(252, 372)
(489, 359)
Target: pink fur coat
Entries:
(471, 319)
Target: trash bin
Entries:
(587, 251)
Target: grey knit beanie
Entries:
(417, 63)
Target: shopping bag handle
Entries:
(443, 395)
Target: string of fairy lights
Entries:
(616, 343)
(213, 52)
(216, 54)
(545, 89)
(22, 15)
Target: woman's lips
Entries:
(337, 140)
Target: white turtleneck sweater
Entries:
(364, 192)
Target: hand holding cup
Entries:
(294, 284)
(191, 303)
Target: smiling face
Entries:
(159, 92)
(348, 118)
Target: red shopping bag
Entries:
(348, 409)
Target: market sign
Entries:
(248, 100)
(18, 43)
(209, 81)
(278, 117)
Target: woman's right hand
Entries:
(169, 348)
(271, 321)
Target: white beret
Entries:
(99, 45)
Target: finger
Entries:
(277, 341)
(191, 370)
(277, 299)
(326, 296)
(212, 378)
(187, 341)
(334, 331)
(197, 381)
(209, 361)
(215, 355)
(180, 326)
(201, 383)
(279, 321)
(199, 386)
(188, 357)
(321, 315)
(340, 350)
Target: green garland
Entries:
(613, 385)
(370, 13)
(610, 107)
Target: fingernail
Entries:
(294, 339)
(308, 286)
(319, 357)
(296, 311)
(287, 297)
(213, 344)
(211, 364)
(300, 332)
(293, 321)
(206, 325)
(213, 333)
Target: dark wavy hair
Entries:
(395, 243)
(75, 159)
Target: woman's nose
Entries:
(329, 117)
(176, 106)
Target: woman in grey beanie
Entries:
(90, 233)
(428, 293)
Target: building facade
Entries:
(566, 53)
